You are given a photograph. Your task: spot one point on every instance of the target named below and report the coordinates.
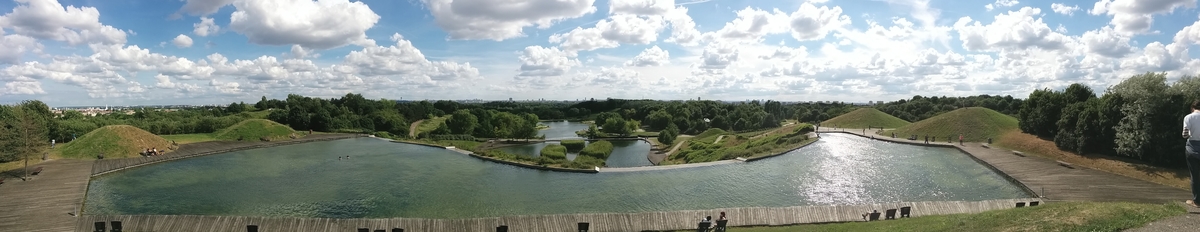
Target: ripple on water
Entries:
(383, 179)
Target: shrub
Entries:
(803, 128)
(453, 137)
(554, 152)
(599, 149)
(584, 162)
(573, 144)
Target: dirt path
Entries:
(659, 157)
(719, 139)
(412, 129)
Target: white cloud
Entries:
(641, 7)
(1135, 16)
(718, 56)
(610, 33)
(1001, 3)
(203, 7)
(49, 20)
(811, 23)
(1012, 30)
(1107, 42)
(205, 27)
(652, 56)
(22, 88)
(786, 53)
(1064, 9)
(683, 28)
(502, 19)
(542, 61)
(13, 47)
(752, 24)
(182, 41)
(321, 24)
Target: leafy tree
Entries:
(462, 122)
(615, 125)
(667, 136)
(659, 120)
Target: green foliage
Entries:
(703, 148)
(585, 162)
(573, 144)
(429, 126)
(668, 135)
(803, 128)
(254, 129)
(974, 123)
(615, 125)
(189, 138)
(866, 117)
(710, 133)
(462, 122)
(453, 137)
(24, 130)
(599, 149)
(554, 151)
(466, 144)
(920, 108)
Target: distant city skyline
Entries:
(145, 52)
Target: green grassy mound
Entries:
(253, 129)
(864, 117)
(599, 150)
(115, 141)
(974, 123)
(573, 144)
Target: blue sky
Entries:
(129, 52)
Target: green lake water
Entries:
(383, 179)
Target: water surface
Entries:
(383, 179)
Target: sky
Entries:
(152, 52)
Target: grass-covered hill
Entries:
(976, 124)
(115, 141)
(253, 129)
(864, 117)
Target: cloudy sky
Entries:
(96, 52)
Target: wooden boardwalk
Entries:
(599, 222)
(47, 201)
(205, 148)
(1054, 182)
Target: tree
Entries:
(462, 122)
(615, 125)
(262, 104)
(667, 136)
(31, 135)
(592, 132)
(659, 119)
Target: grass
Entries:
(115, 141)
(1065, 216)
(261, 114)
(646, 134)
(430, 125)
(1032, 145)
(554, 151)
(253, 129)
(189, 138)
(703, 149)
(598, 149)
(976, 124)
(573, 144)
(866, 117)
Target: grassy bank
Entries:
(1032, 145)
(555, 151)
(573, 144)
(115, 141)
(706, 147)
(1066, 216)
(976, 124)
(865, 117)
(429, 125)
(254, 129)
(598, 149)
(190, 138)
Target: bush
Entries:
(585, 162)
(599, 149)
(573, 144)
(554, 152)
(803, 128)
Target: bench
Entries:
(1064, 164)
(36, 171)
(986, 146)
(1021, 154)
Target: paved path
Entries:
(599, 222)
(47, 201)
(1055, 182)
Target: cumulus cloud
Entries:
(1135, 16)
(811, 23)
(752, 24)
(320, 24)
(50, 20)
(683, 28)
(1013, 30)
(13, 47)
(1064, 9)
(502, 19)
(718, 56)
(542, 61)
(1107, 42)
(610, 33)
(652, 56)
(182, 41)
(1001, 3)
(205, 27)
(203, 7)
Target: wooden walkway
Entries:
(1052, 181)
(47, 201)
(205, 148)
(600, 222)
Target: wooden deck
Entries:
(623, 222)
(1054, 182)
(47, 201)
(204, 148)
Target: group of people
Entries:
(706, 222)
(340, 157)
(152, 152)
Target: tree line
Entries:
(1140, 118)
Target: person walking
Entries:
(1190, 122)
(960, 139)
